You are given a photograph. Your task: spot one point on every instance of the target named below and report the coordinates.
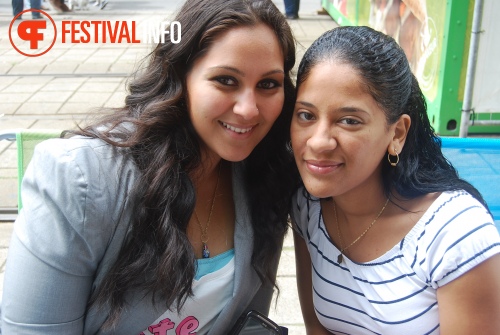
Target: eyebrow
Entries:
(343, 109)
(235, 70)
(306, 104)
(351, 109)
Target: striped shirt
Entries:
(396, 293)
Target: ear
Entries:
(399, 131)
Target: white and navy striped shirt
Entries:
(396, 293)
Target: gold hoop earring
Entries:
(389, 158)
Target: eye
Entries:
(304, 116)
(350, 121)
(226, 80)
(269, 84)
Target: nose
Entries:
(246, 105)
(322, 139)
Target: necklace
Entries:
(340, 258)
(205, 253)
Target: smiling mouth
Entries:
(236, 129)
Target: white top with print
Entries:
(210, 294)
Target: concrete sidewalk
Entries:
(59, 89)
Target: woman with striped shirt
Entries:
(388, 238)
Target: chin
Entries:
(235, 156)
(320, 195)
(318, 191)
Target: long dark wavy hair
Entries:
(386, 73)
(154, 126)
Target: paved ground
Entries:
(58, 90)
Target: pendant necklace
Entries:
(205, 252)
(340, 258)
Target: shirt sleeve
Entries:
(460, 235)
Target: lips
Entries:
(322, 167)
(239, 130)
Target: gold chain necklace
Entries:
(340, 258)
(205, 253)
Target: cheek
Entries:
(364, 154)
(206, 106)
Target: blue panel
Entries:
(477, 160)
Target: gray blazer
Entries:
(77, 211)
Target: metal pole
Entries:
(471, 67)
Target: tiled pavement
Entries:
(59, 89)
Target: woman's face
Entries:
(339, 133)
(235, 91)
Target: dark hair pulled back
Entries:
(385, 70)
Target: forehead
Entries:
(335, 86)
(338, 76)
(255, 40)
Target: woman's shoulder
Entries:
(79, 147)
(456, 233)
(305, 208)
(450, 212)
(456, 204)
(90, 156)
(79, 188)
(82, 172)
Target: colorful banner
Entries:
(417, 25)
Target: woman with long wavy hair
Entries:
(169, 213)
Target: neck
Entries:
(205, 182)
(356, 207)
(206, 172)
